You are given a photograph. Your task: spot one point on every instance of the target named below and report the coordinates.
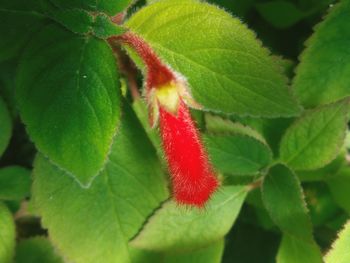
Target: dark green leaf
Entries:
(5, 126)
(68, 96)
(339, 185)
(36, 250)
(7, 85)
(320, 203)
(247, 243)
(14, 183)
(280, 14)
(76, 20)
(226, 67)
(100, 220)
(111, 7)
(237, 7)
(19, 20)
(209, 254)
(104, 27)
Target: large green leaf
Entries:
(294, 250)
(36, 250)
(19, 20)
(5, 126)
(182, 228)
(7, 235)
(323, 75)
(68, 96)
(111, 7)
(14, 183)
(315, 139)
(283, 198)
(100, 220)
(340, 252)
(225, 65)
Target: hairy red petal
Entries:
(193, 177)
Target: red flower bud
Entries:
(193, 177)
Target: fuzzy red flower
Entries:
(193, 177)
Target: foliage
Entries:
(83, 175)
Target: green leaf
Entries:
(35, 250)
(143, 256)
(247, 243)
(111, 7)
(182, 228)
(271, 129)
(7, 86)
(76, 20)
(141, 111)
(323, 75)
(19, 20)
(82, 22)
(315, 139)
(280, 14)
(340, 252)
(339, 185)
(237, 154)
(7, 235)
(217, 125)
(14, 183)
(283, 198)
(209, 254)
(5, 126)
(68, 96)
(104, 27)
(321, 206)
(321, 174)
(238, 7)
(100, 220)
(226, 67)
(294, 250)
